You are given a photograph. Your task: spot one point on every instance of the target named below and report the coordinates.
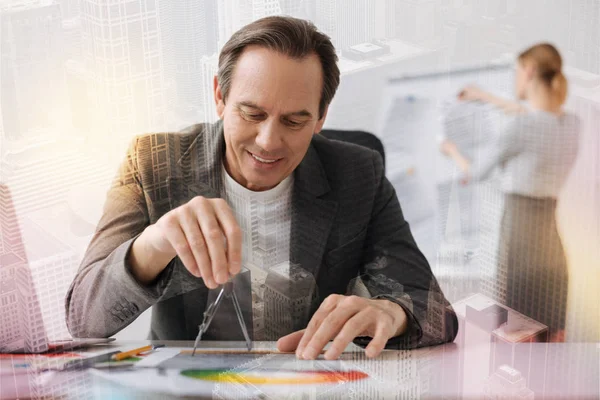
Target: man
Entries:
(307, 219)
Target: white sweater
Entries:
(265, 220)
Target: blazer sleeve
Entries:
(396, 270)
(105, 297)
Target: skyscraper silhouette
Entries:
(189, 33)
(288, 297)
(21, 324)
(123, 59)
(31, 63)
(347, 22)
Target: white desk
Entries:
(548, 371)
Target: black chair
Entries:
(361, 138)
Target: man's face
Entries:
(269, 116)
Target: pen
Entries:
(89, 361)
(126, 354)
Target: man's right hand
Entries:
(203, 233)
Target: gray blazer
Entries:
(346, 222)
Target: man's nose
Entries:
(268, 138)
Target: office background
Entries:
(80, 78)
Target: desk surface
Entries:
(545, 371)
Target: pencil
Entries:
(126, 354)
(239, 351)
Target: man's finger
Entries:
(332, 325)
(290, 342)
(206, 269)
(233, 234)
(215, 240)
(354, 327)
(195, 241)
(326, 307)
(176, 238)
(378, 342)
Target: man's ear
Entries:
(321, 122)
(219, 101)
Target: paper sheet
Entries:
(233, 375)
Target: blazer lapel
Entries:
(312, 216)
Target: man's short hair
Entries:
(296, 38)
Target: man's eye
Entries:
(293, 123)
(253, 117)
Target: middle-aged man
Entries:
(313, 224)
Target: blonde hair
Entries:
(548, 63)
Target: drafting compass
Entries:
(226, 291)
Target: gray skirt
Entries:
(532, 262)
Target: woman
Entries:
(534, 155)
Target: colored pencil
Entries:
(238, 351)
(131, 353)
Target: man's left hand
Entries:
(343, 318)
